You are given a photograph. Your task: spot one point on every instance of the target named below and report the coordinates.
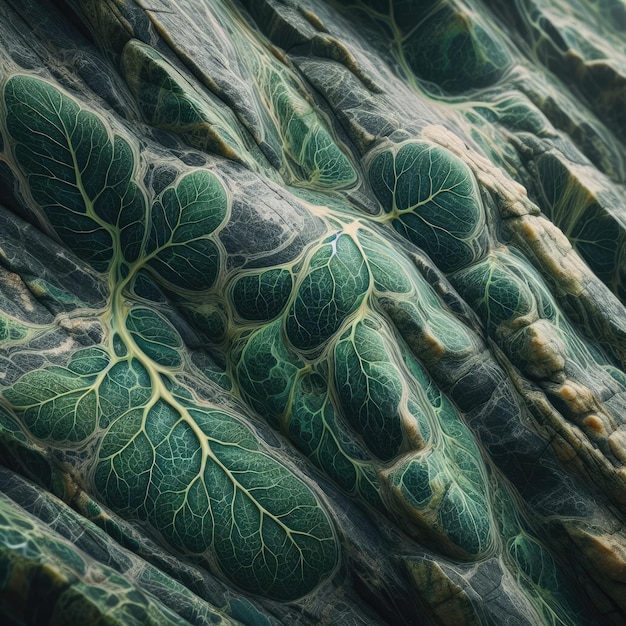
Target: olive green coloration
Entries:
(433, 201)
(369, 389)
(180, 250)
(331, 289)
(262, 296)
(167, 101)
(312, 312)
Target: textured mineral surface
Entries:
(312, 312)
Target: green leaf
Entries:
(436, 493)
(266, 371)
(333, 286)
(61, 404)
(313, 155)
(168, 101)
(370, 390)
(315, 428)
(432, 199)
(262, 296)
(11, 330)
(387, 267)
(155, 336)
(200, 477)
(455, 51)
(496, 293)
(208, 318)
(125, 387)
(76, 171)
(182, 252)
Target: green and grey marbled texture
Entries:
(313, 312)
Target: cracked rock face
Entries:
(312, 312)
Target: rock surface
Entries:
(313, 312)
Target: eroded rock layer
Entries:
(313, 312)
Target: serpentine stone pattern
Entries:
(312, 312)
